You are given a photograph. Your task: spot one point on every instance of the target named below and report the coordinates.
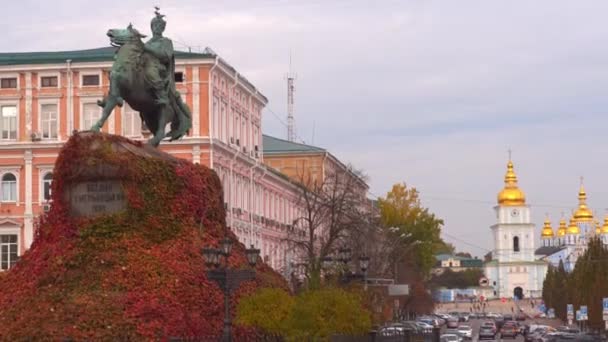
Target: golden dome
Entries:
(511, 195)
(605, 226)
(547, 229)
(561, 231)
(573, 227)
(583, 214)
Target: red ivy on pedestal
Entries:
(133, 275)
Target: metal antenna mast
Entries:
(291, 77)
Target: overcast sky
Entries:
(431, 93)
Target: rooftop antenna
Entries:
(291, 77)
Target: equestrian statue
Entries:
(144, 76)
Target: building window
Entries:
(9, 188)
(131, 122)
(90, 115)
(179, 77)
(90, 80)
(47, 180)
(9, 122)
(8, 83)
(516, 244)
(8, 251)
(48, 81)
(48, 121)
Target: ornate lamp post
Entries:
(344, 256)
(226, 278)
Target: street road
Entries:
(476, 323)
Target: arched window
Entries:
(47, 180)
(9, 188)
(516, 244)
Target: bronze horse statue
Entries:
(128, 83)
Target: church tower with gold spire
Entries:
(514, 270)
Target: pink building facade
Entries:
(45, 96)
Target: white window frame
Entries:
(17, 121)
(82, 106)
(43, 171)
(10, 227)
(49, 74)
(138, 119)
(90, 73)
(14, 172)
(41, 103)
(12, 75)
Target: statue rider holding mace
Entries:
(162, 78)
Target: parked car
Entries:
(391, 331)
(486, 331)
(449, 338)
(509, 330)
(442, 318)
(433, 321)
(424, 327)
(452, 323)
(490, 324)
(463, 316)
(465, 331)
(499, 320)
(412, 326)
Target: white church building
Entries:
(514, 270)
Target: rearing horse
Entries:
(128, 82)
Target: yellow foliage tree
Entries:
(314, 315)
(413, 228)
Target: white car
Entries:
(425, 327)
(465, 331)
(449, 338)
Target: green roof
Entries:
(274, 145)
(77, 56)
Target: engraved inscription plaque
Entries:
(96, 198)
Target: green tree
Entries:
(267, 309)
(457, 280)
(549, 287)
(414, 230)
(587, 284)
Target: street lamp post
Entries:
(226, 278)
(344, 256)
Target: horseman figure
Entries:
(144, 76)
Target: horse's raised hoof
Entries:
(153, 142)
(101, 103)
(120, 102)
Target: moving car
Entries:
(486, 331)
(465, 331)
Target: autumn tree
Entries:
(312, 315)
(333, 209)
(413, 229)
